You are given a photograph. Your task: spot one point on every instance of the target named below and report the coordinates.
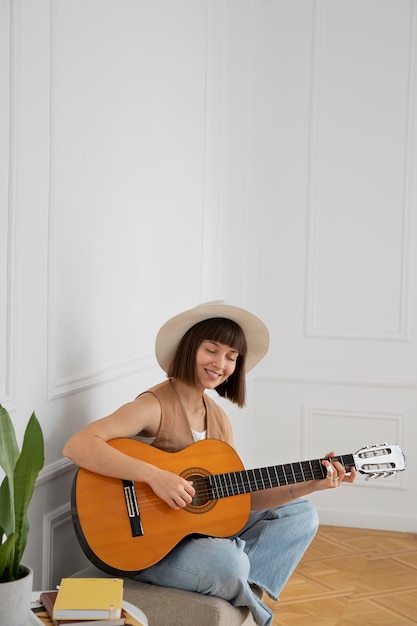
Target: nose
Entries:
(219, 362)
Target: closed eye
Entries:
(213, 348)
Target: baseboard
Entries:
(377, 521)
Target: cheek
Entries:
(230, 368)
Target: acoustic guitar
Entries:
(124, 527)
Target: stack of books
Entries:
(86, 602)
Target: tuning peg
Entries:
(379, 475)
(373, 475)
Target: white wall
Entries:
(333, 176)
(155, 154)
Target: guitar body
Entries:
(102, 522)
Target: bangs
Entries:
(227, 332)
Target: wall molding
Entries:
(212, 178)
(51, 521)
(54, 470)
(383, 383)
(311, 326)
(101, 376)
(10, 30)
(359, 519)
(398, 418)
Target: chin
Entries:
(212, 384)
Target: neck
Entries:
(191, 397)
(193, 404)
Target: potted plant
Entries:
(21, 469)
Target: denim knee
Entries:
(306, 519)
(311, 518)
(230, 570)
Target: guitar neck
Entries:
(247, 481)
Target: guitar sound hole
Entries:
(201, 496)
(201, 502)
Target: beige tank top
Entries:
(175, 432)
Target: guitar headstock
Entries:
(380, 460)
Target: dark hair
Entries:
(218, 329)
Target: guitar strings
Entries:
(213, 487)
(231, 484)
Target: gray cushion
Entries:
(166, 606)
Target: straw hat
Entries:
(171, 333)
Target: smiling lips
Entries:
(212, 374)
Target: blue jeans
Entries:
(265, 553)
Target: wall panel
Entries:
(300, 420)
(360, 159)
(127, 170)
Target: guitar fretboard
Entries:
(246, 481)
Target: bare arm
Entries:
(281, 495)
(89, 449)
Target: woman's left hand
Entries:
(335, 473)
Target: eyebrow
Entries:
(217, 343)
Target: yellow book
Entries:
(89, 598)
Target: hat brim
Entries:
(171, 333)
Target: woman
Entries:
(211, 346)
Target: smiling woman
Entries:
(209, 347)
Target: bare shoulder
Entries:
(142, 415)
(150, 410)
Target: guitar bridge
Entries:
(133, 508)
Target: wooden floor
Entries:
(352, 577)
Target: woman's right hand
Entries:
(171, 488)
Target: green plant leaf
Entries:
(16, 490)
(9, 450)
(9, 453)
(27, 468)
(5, 551)
(6, 512)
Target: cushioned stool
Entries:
(165, 606)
